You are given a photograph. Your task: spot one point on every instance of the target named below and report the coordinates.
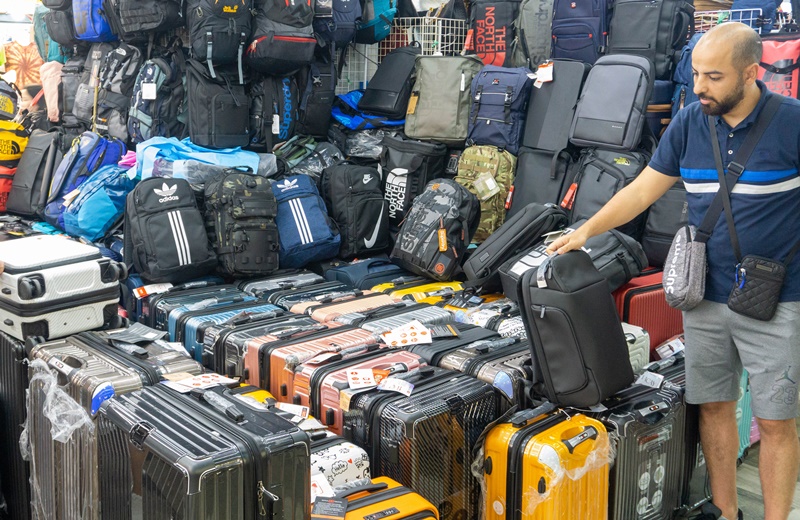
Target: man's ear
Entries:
(750, 73)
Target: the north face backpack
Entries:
(437, 230)
(499, 104)
(13, 140)
(377, 17)
(780, 64)
(273, 111)
(488, 173)
(389, 89)
(317, 83)
(117, 77)
(165, 239)
(91, 24)
(240, 212)
(533, 43)
(283, 38)
(355, 201)
(338, 24)
(306, 232)
(158, 100)
(9, 100)
(219, 31)
(101, 203)
(492, 30)
(683, 78)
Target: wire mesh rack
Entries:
(705, 20)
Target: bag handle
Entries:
(369, 487)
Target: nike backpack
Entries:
(158, 102)
(355, 202)
(240, 212)
(165, 239)
(306, 232)
(434, 237)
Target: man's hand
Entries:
(569, 242)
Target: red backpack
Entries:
(6, 179)
(780, 64)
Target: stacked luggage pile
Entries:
(230, 293)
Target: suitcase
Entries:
(320, 388)
(744, 415)
(641, 302)
(53, 287)
(156, 309)
(63, 473)
(483, 312)
(425, 440)
(203, 305)
(638, 346)
(646, 477)
(755, 433)
(14, 472)
(386, 499)
(421, 290)
(280, 280)
(367, 273)
(136, 298)
(291, 297)
(508, 325)
(426, 314)
(324, 312)
(357, 318)
(565, 455)
(196, 457)
(337, 460)
(433, 352)
(466, 301)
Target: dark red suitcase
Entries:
(641, 302)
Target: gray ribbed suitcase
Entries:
(426, 314)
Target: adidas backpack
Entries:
(240, 212)
(436, 232)
(219, 31)
(306, 232)
(165, 239)
(158, 100)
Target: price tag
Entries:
(326, 508)
(412, 103)
(320, 487)
(344, 400)
(146, 290)
(206, 381)
(650, 379)
(670, 348)
(361, 378)
(276, 124)
(295, 409)
(392, 384)
(149, 91)
(598, 408)
(545, 72)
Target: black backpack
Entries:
(117, 76)
(338, 24)
(317, 84)
(389, 89)
(219, 31)
(136, 20)
(165, 239)
(218, 108)
(493, 26)
(159, 110)
(283, 39)
(355, 201)
(273, 111)
(31, 184)
(665, 217)
(71, 74)
(240, 211)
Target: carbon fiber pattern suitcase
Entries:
(424, 440)
(14, 471)
(154, 309)
(291, 297)
(467, 334)
(280, 280)
(422, 312)
(646, 477)
(641, 302)
(174, 456)
(508, 325)
(90, 371)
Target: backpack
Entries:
(388, 91)
(13, 140)
(35, 169)
(117, 77)
(325, 154)
(157, 104)
(612, 110)
(240, 212)
(655, 30)
(86, 155)
(499, 103)
(746, 12)
(488, 173)
(218, 110)
(438, 109)
(532, 45)
(435, 235)
(71, 74)
(100, 204)
(83, 104)
(665, 218)
(377, 17)
(492, 30)
(6, 182)
(9, 99)
(406, 167)
(338, 24)
(684, 81)
(48, 49)
(61, 27)
(345, 110)
(295, 150)
(317, 84)
(355, 201)
(219, 31)
(273, 111)
(306, 232)
(58, 5)
(165, 239)
(135, 20)
(283, 38)
(780, 64)
(91, 24)
(50, 76)
(579, 29)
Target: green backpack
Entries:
(488, 173)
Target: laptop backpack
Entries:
(388, 91)
(219, 31)
(533, 42)
(338, 23)
(580, 28)
(317, 84)
(158, 102)
(283, 38)
(273, 111)
(492, 30)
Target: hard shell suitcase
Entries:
(423, 290)
(638, 346)
(14, 472)
(467, 335)
(329, 312)
(155, 309)
(188, 457)
(386, 499)
(337, 460)
(424, 313)
(551, 466)
(280, 280)
(178, 317)
(744, 415)
(357, 318)
(291, 297)
(641, 302)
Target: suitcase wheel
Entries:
(113, 272)
(118, 322)
(31, 342)
(31, 287)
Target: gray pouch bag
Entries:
(684, 277)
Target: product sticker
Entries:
(670, 348)
(326, 508)
(147, 290)
(412, 103)
(486, 186)
(412, 333)
(276, 124)
(545, 72)
(650, 379)
(392, 384)
(360, 378)
(296, 409)
(206, 381)
(320, 487)
(149, 91)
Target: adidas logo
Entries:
(287, 185)
(166, 192)
(367, 178)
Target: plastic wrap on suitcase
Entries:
(422, 312)
(638, 346)
(14, 472)
(641, 302)
(280, 280)
(467, 335)
(744, 414)
(337, 460)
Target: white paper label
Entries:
(276, 124)
(206, 381)
(650, 379)
(147, 290)
(296, 409)
(361, 378)
(412, 333)
(545, 72)
(392, 384)
(149, 91)
(670, 349)
(311, 425)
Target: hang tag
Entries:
(393, 384)
(444, 331)
(344, 400)
(360, 378)
(598, 408)
(670, 348)
(442, 234)
(147, 290)
(412, 103)
(486, 186)
(149, 91)
(206, 381)
(379, 375)
(545, 72)
(412, 333)
(569, 198)
(650, 379)
(295, 409)
(320, 487)
(102, 393)
(276, 124)
(326, 508)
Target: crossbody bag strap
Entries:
(736, 166)
(723, 192)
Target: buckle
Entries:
(735, 168)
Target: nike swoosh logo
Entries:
(371, 242)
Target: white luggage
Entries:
(638, 346)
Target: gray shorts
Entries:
(720, 342)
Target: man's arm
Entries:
(647, 188)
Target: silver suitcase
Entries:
(638, 346)
(427, 316)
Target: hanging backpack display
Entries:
(580, 28)
(780, 64)
(49, 50)
(317, 83)
(91, 24)
(117, 76)
(437, 230)
(240, 212)
(532, 45)
(83, 104)
(499, 104)
(306, 232)
(273, 111)
(165, 239)
(388, 91)
(132, 20)
(492, 30)
(377, 17)
(61, 27)
(283, 39)
(13, 140)
(355, 202)
(338, 23)
(158, 101)
(219, 31)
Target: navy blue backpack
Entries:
(91, 24)
(338, 24)
(684, 82)
(580, 28)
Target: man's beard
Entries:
(719, 108)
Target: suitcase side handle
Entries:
(590, 432)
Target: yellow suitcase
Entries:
(386, 499)
(420, 291)
(551, 466)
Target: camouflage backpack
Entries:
(488, 173)
(240, 211)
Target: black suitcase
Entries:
(14, 472)
(390, 87)
(520, 232)
(433, 352)
(207, 455)
(579, 352)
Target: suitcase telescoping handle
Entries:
(520, 418)
(192, 285)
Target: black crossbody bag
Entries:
(758, 280)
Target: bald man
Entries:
(766, 209)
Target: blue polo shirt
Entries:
(765, 200)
